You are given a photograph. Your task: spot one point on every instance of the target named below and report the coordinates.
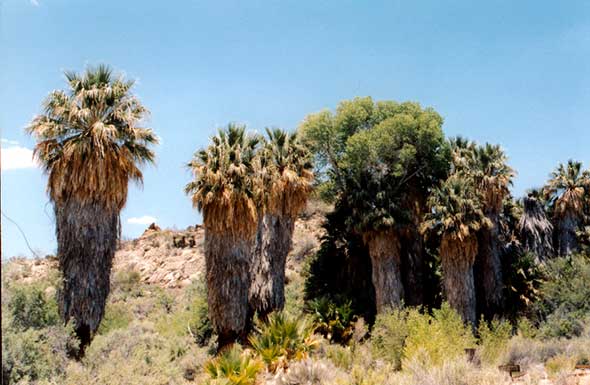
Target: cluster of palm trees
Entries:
(466, 212)
(250, 190)
(391, 172)
(387, 165)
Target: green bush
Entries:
(191, 319)
(117, 316)
(35, 354)
(30, 308)
(281, 339)
(388, 336)
(134, 355)
(234, 366)
(493, 341)
(127, 283)
(437, 338)
(565, 296)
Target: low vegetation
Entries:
(159, 336)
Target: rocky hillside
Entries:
(173, 258)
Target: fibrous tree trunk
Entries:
(87, 236)
(412, 251)
(536, 231)
(488, 269)
(273, 243)
(385, 251)
(412, 248)
(457, 257)
(227, 264)
(567, 242)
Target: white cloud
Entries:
(145, 220)
(11, 142)
(35, 3)
(17, 157)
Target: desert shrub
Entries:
(341, 356)
(525, 328)
(381, 374)
(527, 351)
(35, 354)
(389, 335)
(135, 355)
(30, 308)
(565, 296)
(493, 341)
(117, 316)
(311, 372)
(559, 364)
(234, 366)
(127, 283)
(191, 319)
(294, 304)
(164, 300)
(281, 339)
(452, 372)
(438, 338)
(334, 321)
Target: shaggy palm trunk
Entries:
(488, 270)
(536, 232)
(273, 243)
(227, 264)
(385, 251)
(87, 236)
(412, 249)
(457, 259)
(567, 242)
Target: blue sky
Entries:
(510, 72)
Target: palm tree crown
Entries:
(455, 209)
(567, 189)
(288, 171)
(493, 175)
(224, 188)
(89, 139)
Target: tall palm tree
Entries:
(492, 177)
(378, 218)
(90, 143)
(286, 179)
(456, 215)
(223, 189)
(535, 229)
(566, 191)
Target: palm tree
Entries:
(535, 230)
(90, 144)
(223, 189)
(492, 177)
(566, 191)
(286, 178)
(456, 215)
(378, 218)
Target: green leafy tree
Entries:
(383, 158)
